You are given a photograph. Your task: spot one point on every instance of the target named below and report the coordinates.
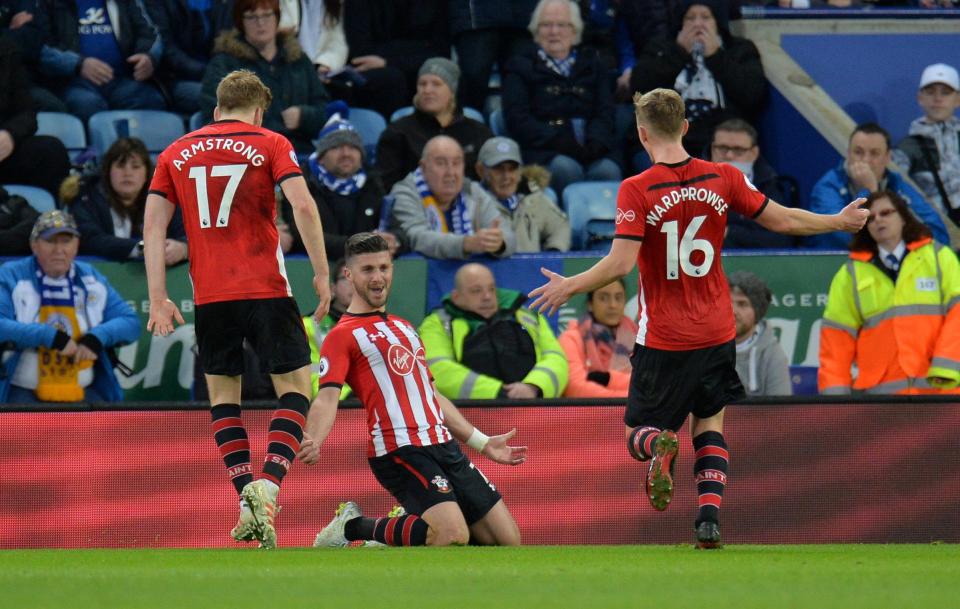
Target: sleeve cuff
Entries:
(90, 342)
(60, 340)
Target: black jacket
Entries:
(745, 233)
(16, 106)
(404, 32)
(341, 215)
(466, 15)
(57, 20)
(401, 144)
(27, 37)
(538, 104)
(187, 46)
(91, 210)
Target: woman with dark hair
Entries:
(598, 345)
(276, 57)
(893, 309)
(109, 210)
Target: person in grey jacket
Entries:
(439, 213)
(761, 363)
(537, 221)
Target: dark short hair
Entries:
(754, 288)
(121, 151)
(913, 228)
(618, 279)
(872, 129)
(364, 243)
(738, 125)
(338, 267)
(244, 6)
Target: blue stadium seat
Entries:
(196, 121)
(65, 127)
(408, 110)
(592, 209)
(804, 380)
(550, 193)
(498, 123)
(369, 124)
(157, 129)
(39, 199)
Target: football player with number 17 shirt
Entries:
(223, 177)
(671, 221)
(412, 427)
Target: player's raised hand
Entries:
(549, 296)
(498, 450)
(321, 285)
(309, 450)
(162, 314)
(853, 216)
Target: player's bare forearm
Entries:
(616, 264)
(307, 219)
(801, 223)
(156, 218)
(458, 424)
(323, 413)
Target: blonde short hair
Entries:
(243, 90)
(661, 111)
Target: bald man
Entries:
(482, 343)
(442, 214)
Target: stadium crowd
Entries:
(484, 114)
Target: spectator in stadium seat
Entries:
(63, 319)
(109, 207)
(348, 198)
(486, 33)
(863, 172)
(95, 66)
(639, 21)
(16, 222)
(735, 142)
(483, 343)
(558, 100)
(277, 59)
(318, 25)
(439, 213)
(599, 344)
(25, 158)
(931, 153)
(388, 41)
(188, 29)
(435, 112)
(893, 310)
(537, 221)
(718, 75)
(20, 23)
(762, 365)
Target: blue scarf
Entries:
(458, 216)
(511, 202)
(563, 67)
(341, 186)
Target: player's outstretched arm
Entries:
(156, 218)
(558, 290)
(800, 222)
(323, 412)
(494, 448)
(307, 218)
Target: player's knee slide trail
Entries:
(710, 471)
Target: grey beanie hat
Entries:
(445, 69)
(754, 288)
(338, 132)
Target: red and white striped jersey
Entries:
(382, 359)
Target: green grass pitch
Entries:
(822, 576)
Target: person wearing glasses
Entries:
(278, 60)
(735, 142)
(558, 100)
(893, 310)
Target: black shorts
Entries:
(272, 326)
(420, 477)
(666, 386)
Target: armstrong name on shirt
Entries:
(248, 151)
(687, 193)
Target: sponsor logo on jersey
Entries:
(441, 483)
(400, 360)
(627, 215)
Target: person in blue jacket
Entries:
(58, 320)
(864, 172)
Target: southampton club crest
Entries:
(441, 483)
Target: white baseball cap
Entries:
(940, 72)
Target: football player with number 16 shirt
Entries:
(684, 361)
(223, 177)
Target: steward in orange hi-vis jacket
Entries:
(901, 329)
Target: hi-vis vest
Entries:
(316, 333)
(898, 335)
